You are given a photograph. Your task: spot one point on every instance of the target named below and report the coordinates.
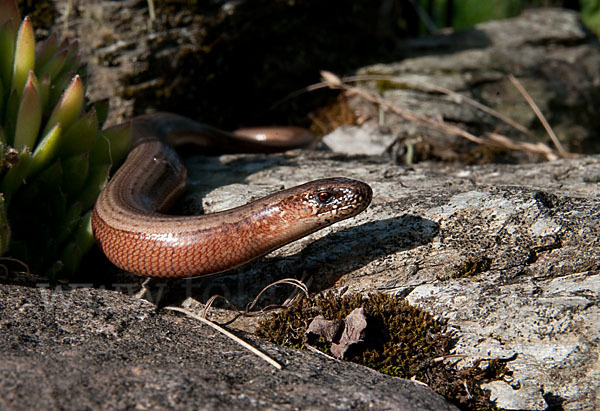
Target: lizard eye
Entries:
(324, 196)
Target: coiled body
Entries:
(131, 228)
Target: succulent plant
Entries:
(54, 157)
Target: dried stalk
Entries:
(492, 139)
(537, 112)
(235, 338)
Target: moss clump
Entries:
(471, 267)
(385, 85)
(401, 340)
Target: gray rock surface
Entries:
(535, 228)
(549, 51)
(97, 349)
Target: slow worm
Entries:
(132, 229)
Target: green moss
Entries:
(471, 267)
(385, 85)
(401, 340)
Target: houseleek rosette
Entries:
(54, 157)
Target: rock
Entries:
(548, 50)
(514, 258)
(358, 140)
(508, 254)
(224, 62)
(538, 297)
(97, 349)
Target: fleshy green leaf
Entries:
(70, 260)
(12, 109)
(7, 50)
(3, 149)
(117, 140)
(16, 175)
(81, 136)
(75, 172)
(46, 150)
(83, 242)
(100, 153)
(47, 50)
(44, 185)
(97, 178)
(24, 58)
(72, 57)
(61, 182)
(59, 87)
(44, 90)
(68, 107)
(29, 116)
(84, 235)
(55, 201)
(70, 221)
(55, 64)
(55, 269)
(1, 99)
(101, 107)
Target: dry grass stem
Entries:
(458, 98)
(537, 112)
(317, 351)
(151, 13)
(492, 139)
(13, 260)
(406, 114)
(539, 148)
(211, 301)
(306, 280)
(424, 17)
(228, 334)
(461, 98)
(144, 289)
(300, 287)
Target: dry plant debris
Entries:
(490, 139)
(351, 335)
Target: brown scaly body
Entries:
(131, 229)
